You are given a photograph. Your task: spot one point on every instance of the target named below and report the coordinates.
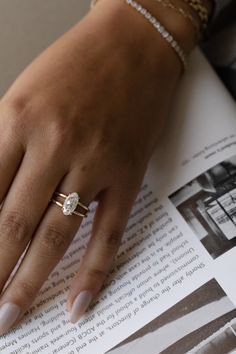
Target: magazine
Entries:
(172, 286)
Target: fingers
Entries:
(49, 244)
(11, 154)
(23, 208)
(108, 227)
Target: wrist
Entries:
(180, 18)
(137, 35)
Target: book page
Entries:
(203, 322)
(156, 266)
(161, 261)
(203, 192)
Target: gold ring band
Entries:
(78, 203)
(71, 202)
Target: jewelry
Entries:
(157, 25)
(159, 28)
(71, 202)
(196, 5)
(185, 14)
(200, 9)
(180, 10)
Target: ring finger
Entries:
(50, 242)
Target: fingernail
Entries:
(8, 314)
(80, 305)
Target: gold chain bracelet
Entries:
(200, 9)
(185, 14)
(158, 27)
(180, 10)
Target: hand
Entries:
(84, 116)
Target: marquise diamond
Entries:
(70, 203)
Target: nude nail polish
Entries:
(8, 314)
(80, 305)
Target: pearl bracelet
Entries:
(159, 28)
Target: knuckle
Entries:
(16, 104)
(24, 291)
(16, 109)
(103, 141)
(14, 228)
(97, 274)
(53, 239)
(60, 138)
(60, 131)
(111, 239)
(131, 159)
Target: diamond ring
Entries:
(70, 204)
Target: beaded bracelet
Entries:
(159, 28)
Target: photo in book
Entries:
(208, 205)
(204, 322)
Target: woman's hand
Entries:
(84, 116)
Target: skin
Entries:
(85, 116)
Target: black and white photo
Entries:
(202, 323)
(208, 205)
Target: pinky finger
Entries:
(108, 227)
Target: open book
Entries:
(172, 288)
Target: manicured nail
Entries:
(8, 314)
(80, 305)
